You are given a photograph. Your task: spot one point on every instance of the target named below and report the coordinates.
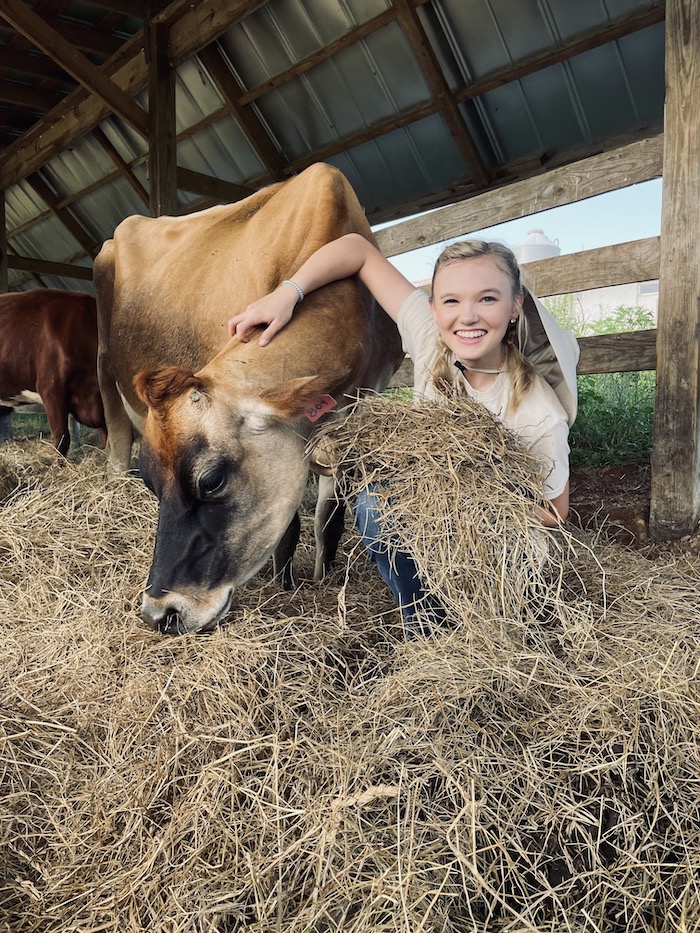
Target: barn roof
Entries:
(420, 104)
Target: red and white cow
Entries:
(225, 439)
(48, 346)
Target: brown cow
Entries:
(48, 346)
(225, 440)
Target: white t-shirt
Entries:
(540, 420)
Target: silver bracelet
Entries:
(294, 285)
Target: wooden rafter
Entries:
(316, 58)
(446, 105)
(577, 45)
(57, 48)
(257, 136)
(122, 166)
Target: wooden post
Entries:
(675, 487)
(162, 158)
(4, 282)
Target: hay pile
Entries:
(305, 767)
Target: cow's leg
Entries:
(282, 559)
(56, 406)
(120, 433)
(328, 525)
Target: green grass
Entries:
(35, 426)
(615, 419)
(30, 425)
(616, 410)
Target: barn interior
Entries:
(306, 766)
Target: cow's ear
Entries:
(293, 398)
(157, 387)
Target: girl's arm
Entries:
(557, 512)
(349, 255)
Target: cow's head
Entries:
(229, 470)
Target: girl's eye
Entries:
(212, 483)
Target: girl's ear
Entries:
(517, 308)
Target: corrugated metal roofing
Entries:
(332, 109)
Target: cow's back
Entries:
(177, 281)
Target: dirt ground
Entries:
(615, 500)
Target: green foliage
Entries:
(30, 425)
(616, 410)
(624, 319)
(615, 419)
(35, 426)
(400, 393)
(563, 309)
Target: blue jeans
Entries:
(421, 614)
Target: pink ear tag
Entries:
(319, 406)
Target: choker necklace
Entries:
(472, 369)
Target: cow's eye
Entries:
(213, 483)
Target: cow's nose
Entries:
(171, 624)
(161, 618)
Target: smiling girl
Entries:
(480, 333)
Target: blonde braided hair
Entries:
(445, 377)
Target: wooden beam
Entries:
(637, 261)
(63, 53)
(95, 41)
(229, 89)
(617, 353)
(11, 92)
(38, 66)
(631, 352)
(202, 23)
(162, 150)
(608, 171)
(225, 192)
(43, 267)
(591, 39)
(675, 464)
(123, 167)
(3, 245)
(451, 114)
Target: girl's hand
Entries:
(275, 310)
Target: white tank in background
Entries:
(536, 245)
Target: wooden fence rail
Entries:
(608, 353)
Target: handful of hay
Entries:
(458, 492)
(305, 768)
